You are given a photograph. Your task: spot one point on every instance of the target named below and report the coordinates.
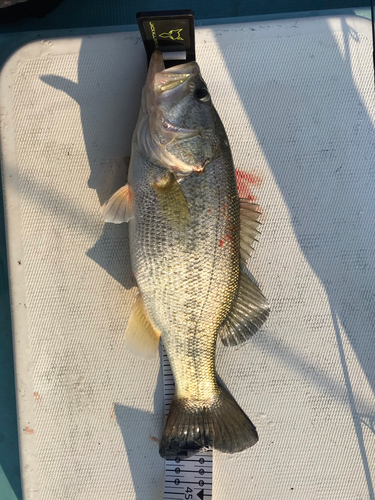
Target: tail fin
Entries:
(221, 424)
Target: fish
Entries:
(190, 238)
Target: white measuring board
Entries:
(188, 479)
(296, 99)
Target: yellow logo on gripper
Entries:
(173, 34)
(153, 32)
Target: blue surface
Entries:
(117, 12)
(91, 17)
(10, 486)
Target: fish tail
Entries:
(192, 426)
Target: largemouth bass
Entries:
(190, 237)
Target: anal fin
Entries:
(248, 313)
(141, 338)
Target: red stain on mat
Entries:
(155, 439)
(246, 180)
(28, 430)
(37, 397)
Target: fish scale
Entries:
(198, 288)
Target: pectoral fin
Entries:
(141, 338)
(119, 208)
(249, 311)
(171, 201)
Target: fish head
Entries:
(182, 118)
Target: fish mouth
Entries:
(164, 83)
(161, 81)
(171, 78)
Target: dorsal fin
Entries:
(248, 313)
(249, 227)
(250, 308)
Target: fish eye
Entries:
(202, 94)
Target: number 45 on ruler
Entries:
(189, 494)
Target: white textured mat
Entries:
(297, 100)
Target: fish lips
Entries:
(175, 79)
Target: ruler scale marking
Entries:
(184, 472)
